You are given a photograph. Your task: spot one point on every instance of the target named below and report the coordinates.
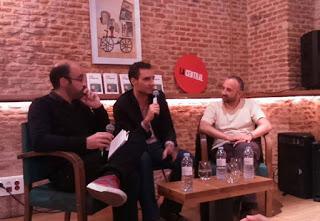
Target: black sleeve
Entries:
(123, 121)
(42, 139)
(100, 118)
(168, 130)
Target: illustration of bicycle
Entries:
(107, 43)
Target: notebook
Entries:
(118, 141)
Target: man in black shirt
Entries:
(71, 118)
(137, 109)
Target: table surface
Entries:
(214, 189)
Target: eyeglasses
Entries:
(80, 78)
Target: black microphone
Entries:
(155, 94)
(110, 129)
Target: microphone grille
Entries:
(110, 128)
(155, 93)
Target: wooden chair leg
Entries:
(82, 216)
(268, 203)
(28, 212)
(67, 216)
(27, 207)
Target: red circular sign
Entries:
(191, 74)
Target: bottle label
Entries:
(248, 161)
(186, 171)
(221, 162)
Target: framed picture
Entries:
(115, 31)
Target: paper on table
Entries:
(118, 141)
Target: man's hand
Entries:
(170, 150)
(99, 140)
(152, 110)
(91, 99)
(238, 138)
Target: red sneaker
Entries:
(106, 189)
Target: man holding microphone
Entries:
(144, 108)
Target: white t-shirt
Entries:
(241, 120)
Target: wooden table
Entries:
(213, 189)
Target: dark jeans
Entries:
(123, 163)
(150, 160)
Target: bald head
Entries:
(238, 80)
(232, 89)
(63, 69)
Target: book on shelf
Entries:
(94, 82)
(124, 82)
(158, 83)
(110, 83)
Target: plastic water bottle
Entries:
(221, 168)
(187, 172)
(248, 165)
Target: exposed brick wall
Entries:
(34, 35)
(274, 31)
(316, 14)
(267, 45)
(258, 40)
(300, 22)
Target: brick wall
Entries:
(267, 45)
(274, 31)
(316, 14)
(34, 35)
(300, 22)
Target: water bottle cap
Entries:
(186, 154)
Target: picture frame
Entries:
(115, 31)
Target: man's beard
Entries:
(76, 95)
(228, 100)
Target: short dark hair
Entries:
(239, 80)
(134, 69)
(57, 72)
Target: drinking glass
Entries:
(204, 170)
(233, 170)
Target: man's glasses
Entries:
(80, 78)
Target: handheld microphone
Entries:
(155, 94)
(110, 129)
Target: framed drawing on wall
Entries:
(115, 31)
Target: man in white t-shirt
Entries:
(235, 121)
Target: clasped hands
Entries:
(239, 138)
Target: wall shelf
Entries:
(21, 98)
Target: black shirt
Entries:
(56, 124)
